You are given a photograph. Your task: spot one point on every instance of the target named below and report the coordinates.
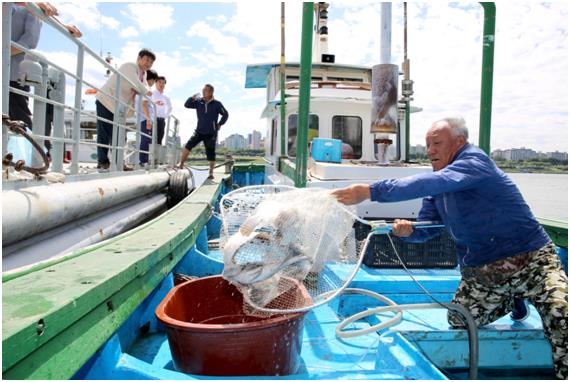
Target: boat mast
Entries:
(487, 77)
(407, 86)
(304, 96)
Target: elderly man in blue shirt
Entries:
(503, 252)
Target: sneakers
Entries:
(520, 309)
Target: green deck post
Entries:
(282, 80)
(304, 96)
(487, 77)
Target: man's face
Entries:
(442, 145)
(160, 85)
(207, 93)
(145, 62)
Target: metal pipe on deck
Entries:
(77, 112)
(89, 230)
(304, 96)
(58, 94)
(28, 211)
(39, 116)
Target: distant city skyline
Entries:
(520, 153)
(254, 141)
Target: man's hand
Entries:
(48, 9)
(402, 228)
(352, 194)
(148, 125)
(75, 32)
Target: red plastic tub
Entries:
(209, 334)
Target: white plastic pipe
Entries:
(32, 210)
(82, 233)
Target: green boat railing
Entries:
(557, 230)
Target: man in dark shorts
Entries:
(207, 110)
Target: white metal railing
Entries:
(119, 150)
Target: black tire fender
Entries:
(178, 187)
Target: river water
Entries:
(546, 194)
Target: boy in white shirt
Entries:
(163, 110)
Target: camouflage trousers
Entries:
(487, 292)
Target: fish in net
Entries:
(286, 249)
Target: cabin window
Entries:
(292, 132)
(343, 79)
(349, 130)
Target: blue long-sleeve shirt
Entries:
(26, 32)
(208, 113)
(481, 207)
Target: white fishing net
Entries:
(287, 249)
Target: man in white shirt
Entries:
(163, 110)
(105, 104)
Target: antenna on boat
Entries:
(321, 40)
(407, 86)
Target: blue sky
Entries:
(199, 43)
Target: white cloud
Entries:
(222, 47)
(129, 32)
(260, 26)
(85, 15)
(150, 17)
(218, 19)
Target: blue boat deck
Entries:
(422, 347)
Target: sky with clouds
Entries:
(198, 42)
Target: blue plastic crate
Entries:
(326, 150)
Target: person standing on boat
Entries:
(145, 115)
(163, 111)
(207, 110)
(504, 253)
(105, 104)
(25, 31)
